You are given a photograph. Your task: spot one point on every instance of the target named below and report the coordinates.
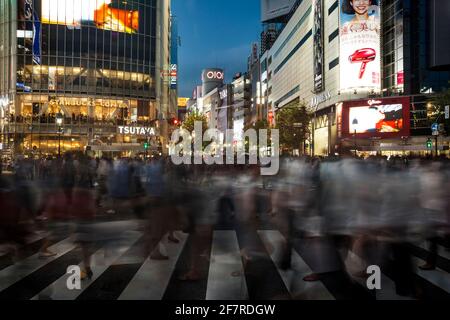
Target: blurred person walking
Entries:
(84, 210)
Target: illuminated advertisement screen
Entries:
(377, 118)
(101, 13)
(318, 47)
(360, 54)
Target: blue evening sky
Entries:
(214, 33)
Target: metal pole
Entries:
(436, 145)
(59, 142)
(356, 146)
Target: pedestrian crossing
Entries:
(152, 278)
(123, 270)
(100, 261)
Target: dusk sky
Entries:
(214, 33)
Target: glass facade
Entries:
(406, 43)
(85, 59)
(93, 61)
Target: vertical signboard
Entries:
(360, 54)
(36, 39)
(173, 76)
(319, 84)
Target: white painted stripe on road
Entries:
(151, 280)
(6, 249)
(442, 251)
(18, 271)
(226, 278)
(100, 262)
(437, 277)
(388, 292)
(293, 279)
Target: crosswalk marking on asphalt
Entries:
(442, 251)
(293, 279)
(34, 238)
(388, 292)
(20, 270)
(226, 278)
(437, 277)
(100, 262)
(151, 280)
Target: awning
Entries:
(118, 147)
(404, 148)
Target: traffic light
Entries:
(146, 145)
(429, 144)
(174, 122)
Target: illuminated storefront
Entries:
(94, 63)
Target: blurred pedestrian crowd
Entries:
(375, 208)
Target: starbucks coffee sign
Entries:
(137, 131)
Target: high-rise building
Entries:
(73, 74)
(369, 81)
(269, 35)
(242, 104)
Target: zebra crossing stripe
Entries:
(293, 279)
(443, 252)
(5, 249)
(100, 262)
(226, 278)
(151, 280)
(18, 271)
(438, 277)
(388, 292)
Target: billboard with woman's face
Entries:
(360, 46)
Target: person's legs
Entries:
(157, 230)
(287, 254)
(86, 252)
(403, 269)
(432, 255)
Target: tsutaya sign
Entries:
(138, 131)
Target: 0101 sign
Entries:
(217, 75)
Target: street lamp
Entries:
(355, 123)
(59, 122)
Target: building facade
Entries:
(377, 70)
(242, 104)
(97, 65)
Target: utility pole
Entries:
(436, 145)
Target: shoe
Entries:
(87, 274)
(190, 277)
(41, 218)
(237, 274)
(46, 254)
(173, 239)
(427, 267)
(159, 257)
(312, 278)
(361, 274)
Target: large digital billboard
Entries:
(360, 54)
(101, 13)
(271, 10)
(388, 117)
